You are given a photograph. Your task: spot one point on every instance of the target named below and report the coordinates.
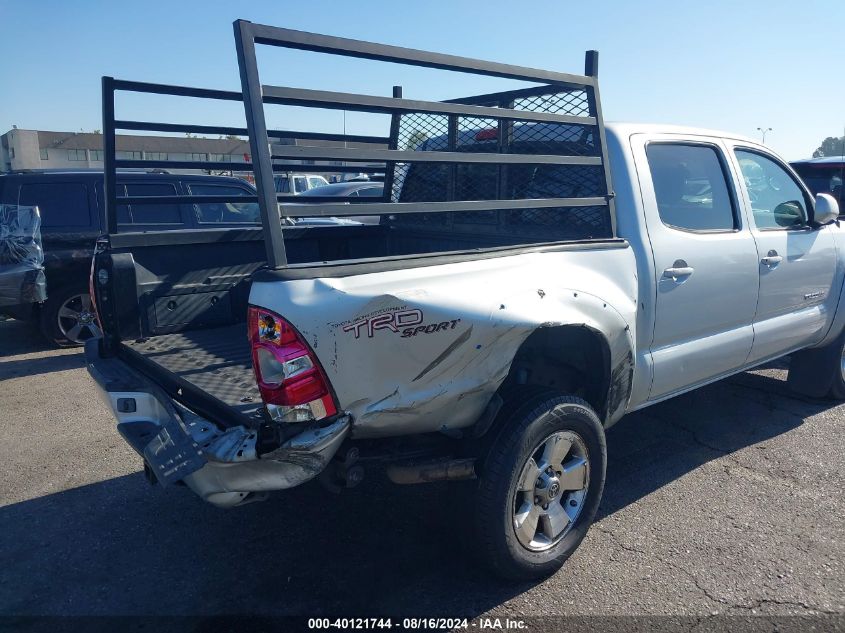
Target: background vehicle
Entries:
(296, 184)
(509, 307)
(823, 175)
(350, 190)
(71, 206)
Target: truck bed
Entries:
(214, 362)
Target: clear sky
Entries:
(722, 64)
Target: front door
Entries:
(705, 264)
(797, 262)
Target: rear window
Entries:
(62, 204)
(224, 212)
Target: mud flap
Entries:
(811, 371)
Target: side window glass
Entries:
(60, 204)
(153, 213)
(300, 185)
(222, 212)
(316, 182)
(691, 188)
(777, 201)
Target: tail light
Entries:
(290, 379)
(91, 290)
(490, 134)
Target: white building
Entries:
(39, 149)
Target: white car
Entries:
(296, 184)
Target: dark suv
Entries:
(71, 207)
(823, 175)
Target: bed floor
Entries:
(217, 361)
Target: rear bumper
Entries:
(220, 465)
(21, 287)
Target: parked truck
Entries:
(535, 276)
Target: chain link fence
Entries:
(440, 182)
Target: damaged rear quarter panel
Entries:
(423, 349)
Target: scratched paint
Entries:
(444, 375)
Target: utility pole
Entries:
(763, 130)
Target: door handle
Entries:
(772, 259)
(679, 271)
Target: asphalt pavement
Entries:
(727, 500)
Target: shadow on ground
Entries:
(20, 337)
(123, 547)
(24, 352)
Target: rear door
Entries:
(70, 225)
(705, 261)
(797, 263)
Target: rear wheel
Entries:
(68, 318)
(540, 486)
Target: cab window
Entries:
(224, 212)
(777, 202)
(691, 188)
(162, 213)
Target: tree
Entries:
(831, 146)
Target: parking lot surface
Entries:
(725, 500)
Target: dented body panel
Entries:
(422, 350)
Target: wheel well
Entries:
(573, 359)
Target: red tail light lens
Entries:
(91, 292)
(490, 134)
(290, 379)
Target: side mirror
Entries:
(827, 209)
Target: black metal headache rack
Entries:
(525, 161)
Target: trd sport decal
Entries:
(408, 321)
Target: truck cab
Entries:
(733, 270)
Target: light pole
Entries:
(763, 130)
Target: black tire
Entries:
(523, 430)
(50, 326)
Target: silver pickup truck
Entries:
(535, 276)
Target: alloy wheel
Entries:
(551, 490)
(77, 320)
